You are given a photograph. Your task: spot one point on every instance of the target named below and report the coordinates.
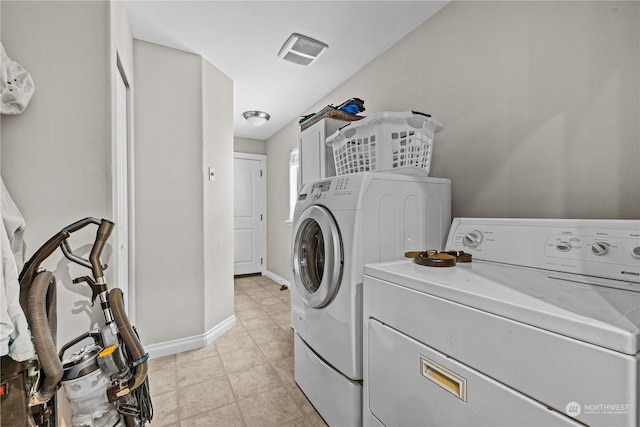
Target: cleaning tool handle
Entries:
(103, 233)
(81, 224)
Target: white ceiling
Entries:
(242, 39)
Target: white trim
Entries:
(180, 345)
(249, 156)
(129, 289)
(279, 280)
(113, 202)
(262, 158)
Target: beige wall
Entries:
(56, 154)
(278, 230)
(249, 145)
(184, 222)
(539, 100)
(217, 102)
(57, 161)
(168, 187)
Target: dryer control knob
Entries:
(635, 252)
(472, 239)
(599, 248)
(317, 192)
(563, 246)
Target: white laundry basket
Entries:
(385, 141)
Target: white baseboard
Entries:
(273, 276)
(190, 343)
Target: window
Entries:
(294, 167)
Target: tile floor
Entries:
(244, 378)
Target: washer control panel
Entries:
(317, 188)
(600, 248)
(340, 192)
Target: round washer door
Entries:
(317, 257)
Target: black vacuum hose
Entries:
(130, 338)
(41, 295)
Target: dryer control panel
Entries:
(599, 248)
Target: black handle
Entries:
(422, 114)
(344, 126)
(97, 339)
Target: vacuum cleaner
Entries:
(103, 372)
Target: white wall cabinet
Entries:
(316, 157)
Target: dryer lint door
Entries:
(317, 257)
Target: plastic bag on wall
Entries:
(16, 85)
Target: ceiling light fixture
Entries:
(256, 118)
(301, 50)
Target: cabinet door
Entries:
(311, 142)
(316, 157)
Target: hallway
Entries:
(244, 378)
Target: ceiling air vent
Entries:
(301, 49)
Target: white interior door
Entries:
(122, 170)
(249, 214)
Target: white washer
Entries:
(541, 328)
(339, 225)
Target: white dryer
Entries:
(541, 328)
(339, 225)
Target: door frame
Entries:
(262, 158)
(128, 167)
